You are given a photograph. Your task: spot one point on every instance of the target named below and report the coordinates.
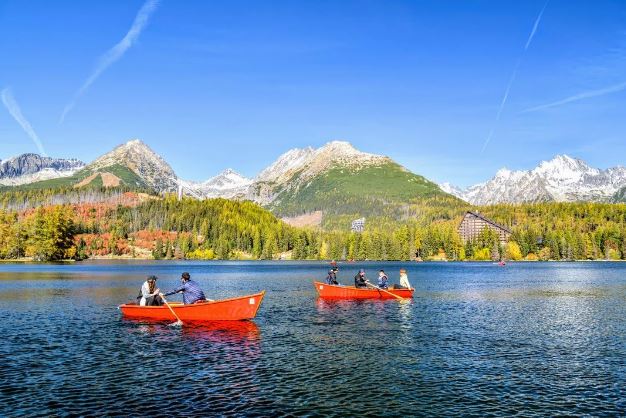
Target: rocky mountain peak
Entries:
(144, 162)
(28, 168)
(344, 151)
(287, 163)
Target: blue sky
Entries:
(211, 85)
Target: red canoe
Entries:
(233, 309)
(329, 291)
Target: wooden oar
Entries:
(178, 322)
(383, 290)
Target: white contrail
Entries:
(535, 26)
(585, 95)
(502, 103)
(115, 53)
(512, 79)
(16, 112)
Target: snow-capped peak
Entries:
(228, 184)
(564, 166)
(503, 172)
(227, 179)
(562, 178)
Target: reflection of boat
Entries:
(329, 291)
(233, 309)
(222, 331)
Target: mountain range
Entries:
(335, 178)
(30, 168)
(562, 179)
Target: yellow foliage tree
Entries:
(483, 254)
(513, 251)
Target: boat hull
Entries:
(234, 309)
(329, 291)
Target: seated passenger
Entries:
(149, 293)
(332, 277)
(382, 279)
(360, 280)
(404, 280)
(191, 290)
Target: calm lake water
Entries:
(530, 339)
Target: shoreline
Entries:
(29, 260)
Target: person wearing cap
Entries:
(332, 277)
(149, 293)
(360, 280)
(190, 289)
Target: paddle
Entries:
(383, 290)
(178, 323)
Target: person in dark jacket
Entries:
(360, 280)
(191, 290)
(332, 277)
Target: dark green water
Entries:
(530, 339)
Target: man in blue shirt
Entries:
(190, 289)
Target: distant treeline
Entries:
(126, 225)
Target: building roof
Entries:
(489, 221)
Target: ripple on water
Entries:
(530, 340)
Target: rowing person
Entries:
(360, 280)
(149, 293)
(332, 277)
(382, 279)
(190, 289)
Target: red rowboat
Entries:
(233, 309)
(330, 291)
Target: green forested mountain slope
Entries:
(382, 191)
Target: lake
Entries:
(528, 338)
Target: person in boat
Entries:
(332, 277)
(404, 281)
(382, 280)
(190, 289)
(360, 280)
(149, 293)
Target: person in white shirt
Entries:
(150, 293)
(404, 279)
